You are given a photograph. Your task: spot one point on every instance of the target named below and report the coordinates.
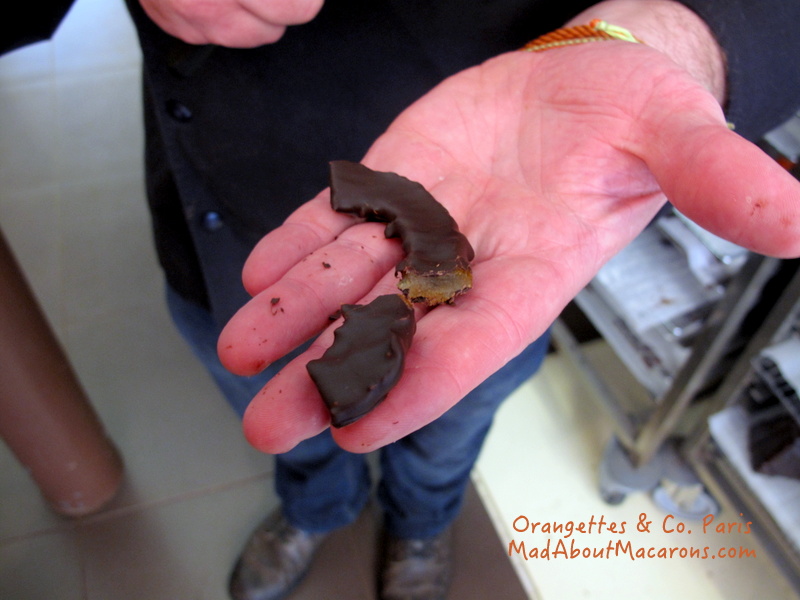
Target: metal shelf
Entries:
(725, 481)
(644, 430)
(698, 322)
(717, 448)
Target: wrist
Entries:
(672, 29)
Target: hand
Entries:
(550, 163)
(231, 23)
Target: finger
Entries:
(242, 30)
(289, 407)
(296, 291)
(720, 180)
(284, 12)
(219, 24)
(734, 190)
(316, 224)
(300, 303)
(458, 347)
(287, 410)
(454, 350)
(250, 24)
(293, 303)
(307, 229)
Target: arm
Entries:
(551, 163)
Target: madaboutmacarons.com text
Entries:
(601, 538)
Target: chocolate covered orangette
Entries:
(368, 353)
(366, 358)
(436, 267)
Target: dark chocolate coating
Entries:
(366, 358)
(775, 446)
(436, 266)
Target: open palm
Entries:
(550, 163)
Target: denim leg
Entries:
(321, 486)
(426, 473)
(200, 331)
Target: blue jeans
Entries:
(423, 476)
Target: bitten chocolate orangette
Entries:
(368, 353)
(366, 358)
(436, 267)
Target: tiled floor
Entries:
(71, 205)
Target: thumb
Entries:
(726, 184)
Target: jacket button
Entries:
(179, 111)
(212, 221)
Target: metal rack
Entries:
(698, 324)
(717, 448)
(711, 460)
(642, 430)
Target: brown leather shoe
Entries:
(274, 560)
(417, 569)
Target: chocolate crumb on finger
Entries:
(436, 268)
(366, 358)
